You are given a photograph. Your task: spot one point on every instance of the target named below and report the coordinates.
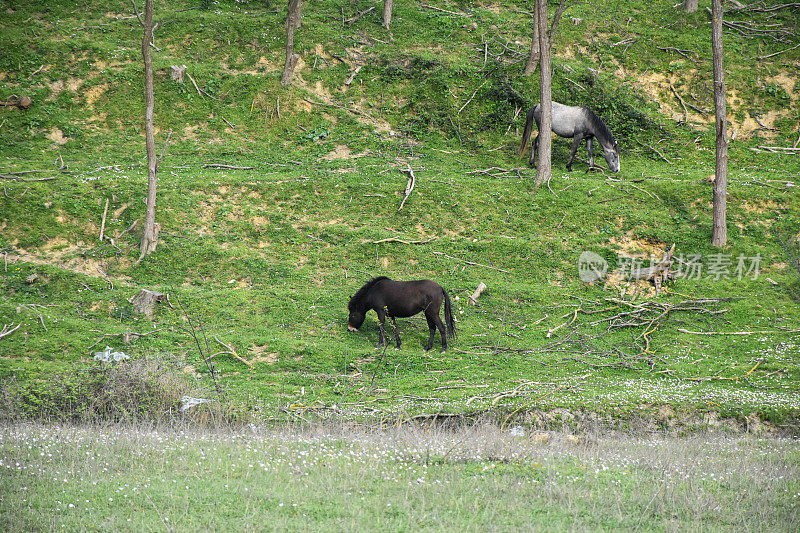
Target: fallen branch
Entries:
(337, 106)
(126, 336)
(394, 239)
(473, 96)
(759, 58)
(681, 52)
(685, 112)
(232, 351)
(195, 85)
(779, 149)
(412, 180)
(654, 150)
(352, 20)
(228, 167)
(103, 222)
(426, 6)
(353, 74)
(16, 178)
(5, 332)
(764, 331)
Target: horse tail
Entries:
(526, 134)
(448, 316)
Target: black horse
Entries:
(579, 123)
(402, 299)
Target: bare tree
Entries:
(690, 6)
(293, 18)
(533, 58)
(150, 231)
(719, 234)
(543, 170)
(387, 13)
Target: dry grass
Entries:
(413, 477)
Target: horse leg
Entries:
(442, 331)
(434, 323)
(590, 149)
(381, 320)
(432, 330)
(576, 141)
(394, 330)
(534, 149)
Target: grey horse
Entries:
(578, 122)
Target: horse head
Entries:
(356, 318)
(611, 153)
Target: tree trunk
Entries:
(292, 23)
(533, 59)
(150, 231)
(719, 235)
(690, 6)
(387, 13)
(543, 170)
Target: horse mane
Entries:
(363, 290)
(601, 130)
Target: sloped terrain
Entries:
(276, 204)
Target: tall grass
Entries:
(409, 478)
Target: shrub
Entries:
(142, 389)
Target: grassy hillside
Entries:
(267, 256)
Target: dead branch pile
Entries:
(617, 333)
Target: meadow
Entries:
(342, 478)
(277, 203)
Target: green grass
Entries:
(268, 258)
(402, 479)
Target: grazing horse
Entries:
(402, 299)
(576, 122)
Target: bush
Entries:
(143, 389)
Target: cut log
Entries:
(474, 298)
(145, 302)
(178, 72)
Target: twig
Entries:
(394, 239)
(654, 150)
(473, 96)
(103, 222)
(195, 84)
(426, 6)
(352, 76)
(164, 150)
(681, 52)
(232, 351)
(471, 262)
